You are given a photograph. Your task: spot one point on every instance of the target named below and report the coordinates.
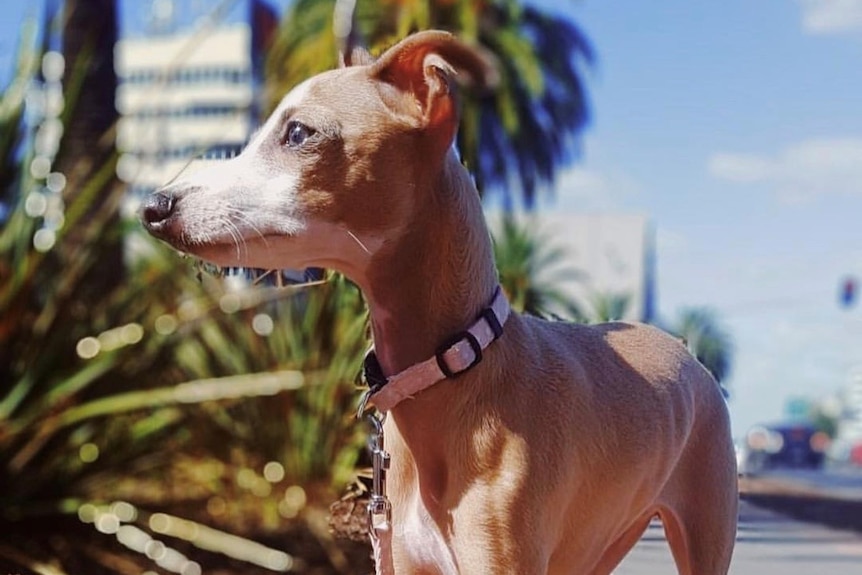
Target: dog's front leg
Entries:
(494, 532)
(479, 536)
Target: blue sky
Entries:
(737, 127)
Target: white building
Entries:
(190, 78)
(603, 256)
(613, 254)
(182, 96)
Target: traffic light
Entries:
(849, 289)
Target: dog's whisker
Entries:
(248, 222)
(236, 236)
(358, 241)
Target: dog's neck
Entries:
(435, 280)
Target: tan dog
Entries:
(552, 453)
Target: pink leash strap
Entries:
(381, 545)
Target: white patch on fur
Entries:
(296, 96)
(293, 99)
(423, 541)
(238, 198)
(276, 202)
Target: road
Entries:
(767, 544)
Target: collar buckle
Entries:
(440, 354)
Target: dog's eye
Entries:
(297, 134)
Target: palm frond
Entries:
(706, 339)
(532, 270)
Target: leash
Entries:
(457, 355)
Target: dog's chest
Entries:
(420, 542)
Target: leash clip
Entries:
(379, 507)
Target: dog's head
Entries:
(334, 172)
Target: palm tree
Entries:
(523, 132)
(706, 339)
(531, 272)
(87, 154)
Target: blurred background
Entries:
(693, 166)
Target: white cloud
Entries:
(740, 168)
(831, 16)
(800, 172)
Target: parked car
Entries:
(784, 446)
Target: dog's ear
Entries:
(423, 69)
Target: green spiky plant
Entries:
(164, 395)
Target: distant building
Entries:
(604, 256)
(187, 89)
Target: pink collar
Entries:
(453, 358)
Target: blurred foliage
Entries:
(230, 403)
(12, 113)
(532, 270)
(523, 132)
(706, 339)
(609, 307)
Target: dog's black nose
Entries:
(157, 208)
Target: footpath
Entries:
(832, 499)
